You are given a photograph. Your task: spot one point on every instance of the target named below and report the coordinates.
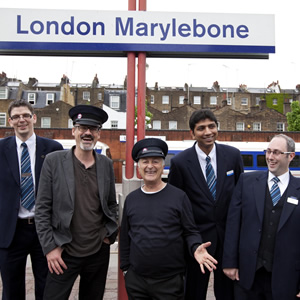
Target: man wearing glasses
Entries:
(262, 244)
(21, 158)
(76, 211)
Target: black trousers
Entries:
(145, 288)
(196, 284)
(92, 271)
(13, 268)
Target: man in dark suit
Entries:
(190, 169)
(18, 237)
(76, 211)
(262, 244)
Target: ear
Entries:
(34, 118)
(73, 131)
(192, 134)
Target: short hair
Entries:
(19, 103)
(200, 115)
(290, 143)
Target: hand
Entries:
(232, 273)
(106, 241)
(298, 295)
(204, 258)
(55, 262)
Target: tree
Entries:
(148, 117)
(293, 117)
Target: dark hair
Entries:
(200, 115)
(19, 103)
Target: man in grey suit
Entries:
(76, 211)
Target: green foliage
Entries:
(280, 101)
(293, 117)
(148, 115)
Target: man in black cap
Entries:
(157, 228)
(76, 211)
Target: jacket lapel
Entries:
(100, 177)
(288, 208)
(12, 158)
(259, 188)
(68, 169)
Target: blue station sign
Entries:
(114, 33)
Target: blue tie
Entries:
(211, 178)
(27, 190)
(275, 191)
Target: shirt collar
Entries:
(30, 142)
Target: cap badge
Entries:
(144, 150)
(79, 116)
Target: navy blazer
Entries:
(243, 234)
(10, 189)
(186, 174)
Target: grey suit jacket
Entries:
(56, 196)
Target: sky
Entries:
(282, 66)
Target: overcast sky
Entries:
(282, 66)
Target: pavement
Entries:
(111, 289)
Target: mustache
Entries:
(87, 136)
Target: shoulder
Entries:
(227, 148)
(184, 154)
(6, 140)
(171, 189)
(102, 158)
(49, 142)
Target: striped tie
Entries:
(211, 178)
(275, 191)
(27, 190)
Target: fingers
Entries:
(56, 266)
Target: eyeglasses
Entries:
(92, 129)
(275, 152)
(18, 117)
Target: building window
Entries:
(86, 96)
(114, 124)
(280, 127)
(4, 92)
(31, 98)
(218, 125)
(50, 98)
(173, 125)
(70, 123)
(256, 126)
(181, 99)
(156, 124)
(2, 119)
(165, 99)
(240, 126)
(275, 101)
(165, 111)
(197, 100)
(99, 96)
(257, 100)
(229, 101)
(244, 101)
(152, 99)
(213, 100)
(46, 122)
(114, 101)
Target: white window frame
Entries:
(197, 100)
(31, 98)
(152, 99)
(257, 100)
(240, 126)
(70, 123)
(99, 96)
(213, 100)
(2, 119)
(229, 101)
(156, 124)
(165, 99)
(244, 101)
(45, 122)
(4, 92)
(50, 98)
(173, 125)
(114, 124)
(256, 126)
(114, 101)
(280, 126)
(181, 100)
(86, 95)
(275, 101)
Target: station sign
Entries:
(114, 33)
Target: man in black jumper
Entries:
(157, 228)
(262, 241)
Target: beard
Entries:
(85, 147)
